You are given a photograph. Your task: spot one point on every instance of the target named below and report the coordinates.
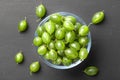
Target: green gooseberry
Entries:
(23, 25)
(71, 53)
(98, 17)
(46, 38)
(42, 50)
(34, 66)
(75, 45)
(61, 53)
(84, 30)
(58, 61)
(19, 57)
(60, 33)
(70, 18)
(60, 45)
(53, 55)
(66, 61)
(37, 41)
(40, 11)
(68, 25)
(47, 56)
(50, 27)
(70, 36)
(83, 41)
(39, 30)
(56, 18)
(51, 45)
(77, 26)
(91, 70)
(83, 53)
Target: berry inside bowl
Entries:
(55, 45)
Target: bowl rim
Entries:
(79, 19)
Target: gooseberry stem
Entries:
(30, 73)
(20, 51)
(90, 24)
(25, 18)
(38, 20)
(103, 10)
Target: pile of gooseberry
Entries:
(62, 40)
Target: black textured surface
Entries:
(105, 51)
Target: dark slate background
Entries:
(105, 51)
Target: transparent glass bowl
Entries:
(79, 19)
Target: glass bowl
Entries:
(79, 19)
